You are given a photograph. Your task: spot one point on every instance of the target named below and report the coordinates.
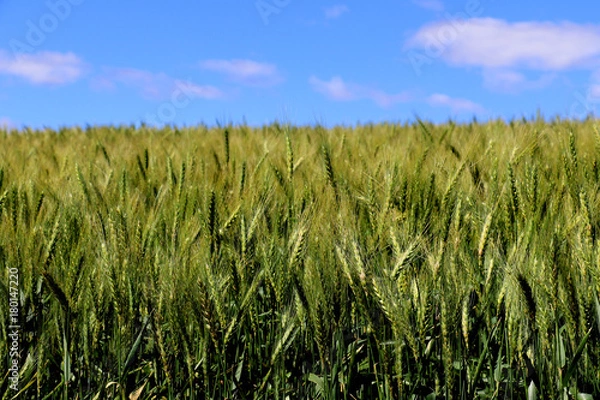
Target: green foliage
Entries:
(378, 261)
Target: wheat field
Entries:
(378, 261)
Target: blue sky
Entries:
(78, 62)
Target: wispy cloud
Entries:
(336, 11)
(495, 43)
(432, 5)
(511, 81)
(43, 68)
(338, 90)
(151, 85)
(456, 105)
(246, 72)
(200, 91)
(334, 89)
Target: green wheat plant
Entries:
(388, 261)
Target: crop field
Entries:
(378, 261)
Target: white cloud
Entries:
(338, 90)
(495, 43)
(511, 81)
(503, 78)
(457, 105)
(334, 89)
(433, 5)
(336, 11)
(247, 72)
(151, 85)
(200, 91)
(43, 68)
